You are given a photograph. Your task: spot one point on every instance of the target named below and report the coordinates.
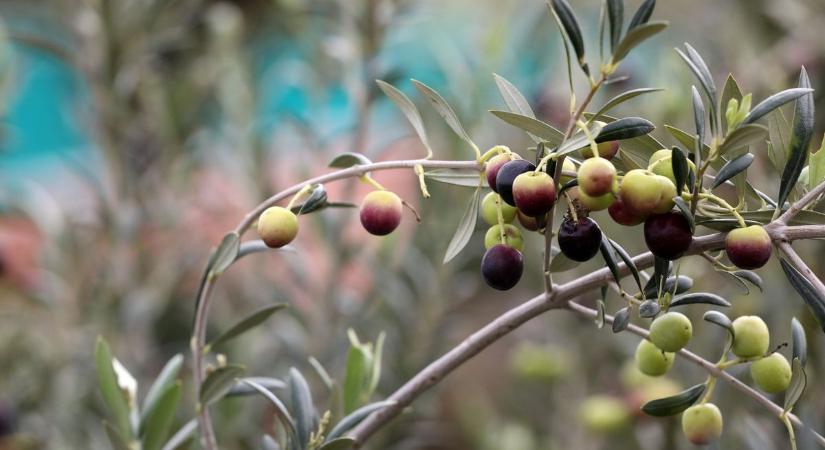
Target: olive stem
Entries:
(801, 203)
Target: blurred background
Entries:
(135, 133)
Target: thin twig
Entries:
(801, 203)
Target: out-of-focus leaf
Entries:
(816, 166)
(353, 419)
(729, 91)
(773, 102)
(280, 410)
(240, 388)
(182, 436)
(621, 98)
(113, 395)
(800, 342)
(642, 14)
(670, 406)
(445, 110)
(600, 313)
(621, 319)
(341, 443)
(468, 178)
(225, 254)
(166, 378)
(531, 125)
(636, 36)
(304, 409)
(615, 16)
(812, 297)
(625, 128)
(798, 382)
(218, 383)
(349, 159)
(317, 200)
(251, 321)
(359, 366)
(705, 298)
(562, 263)
(571, 28)
(408, 108)
(159, 419)
(744, 136)
(267, 443)
(117, 441)
(803, 130)
(465, 228)
(732, 168)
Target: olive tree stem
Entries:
(801, 203)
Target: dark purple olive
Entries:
(668, 235)
(507, 175)
(502, 267)
(580, 240)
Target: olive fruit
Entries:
(277, 226)
(579, 240)
(751, 337)
(494, 164)
(772, 373)
(534, 193)
(381, 212)
(596, 177)
(512, 237)
(502, 267)
(507, 175)
(596, 203)
(489, 209)
(668, 235)
(668, 190)
(604, 414)
(671, 331)
(623, 215)
(702, 424)
(529, 223)
(607, 150)
(651, 360)
(749, 247)
(640, 191)
(661, 163)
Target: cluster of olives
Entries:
(380, 214)
(639, 196)
(669, 333)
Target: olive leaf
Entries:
(812, 297)
(751, 277)
(465, 228)
(642, 14)
(316, 200)
(670, 406)
(628, 260)
(680, 168)
(159, 419)
(729, 91)
(684, 209)
(732, 168)
(341, 443)
(515, 101)
(353, 419)
(640, 148)
(615, 16)
(799, 380)
(816, 166)
(700, 70)
(636, 36)
(621, 98)
(241, 389)
(117, 441)
(218, 383)
(610, 258)
(301, 400)
(673, 284)
(600, 311)
(531, 125)
(280, 409)
(579, 141)
(705, 298)
(256, 318)
(184, 434)
(560, 262)
(800, 342)
(649, 309)
(409, 110)
(268, 443)
(457, 177)
(348, 159)
(773, 102)
(720, 319)
(626, 128)
(444, 110)
(743, 136)
(113, 395)
(779, 130)
(621, 319)
(225, 254)
(166, 378)
(570, 24)
(803, 128)
(699, 122)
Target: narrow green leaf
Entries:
(242, 389)
(670, 406)
(800, 341)
(348, 159)
(117, 441)
(159, 418)
(718, 318)
(779, 132)
(579, 141)
(812, 297)
(751, 277)
(642, 14)
(317, 200)
(304, 409)
(626, 128)
(816, 166)
(571, 28)
(355, 379)
(247, 323)
(773, 102)
(680, 168)
(444, 110)
(615, 16)
(515, 100)
(699, 122)
(798, 383)
(531, 125)
(611, 259)
(732, 168)
(803, 130)
(409, 110)
(743, 136)
(113, 395)
(684, 209)
(322, 373)
(704, 298)
(467, 178)
(375, 372)
(639, 148)
(218, 383)
(225, 254)
(182, 436)
(341, 443)
(465, 228)
(353, 419)
(280, 410)
(628, 260)
(621, 98)
(621, 319)
(166, 378)
(729, 91)
(636, 36)
(700, 70)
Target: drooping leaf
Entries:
(732, 168)
(409, 110)
(803, 129)
(640, 147)
(743, 136)
(341, 443)
(302, 406)
(615, 16)
(684, 209)
(348, 159)
(515, 100)
(800, 341)
(166, 378)
(465, 228)
(280, 409)
(749, 276)
(642, 14)
(670, 406)
(353, 419)
(699, 122)
(218, 383)
(445, 110)
(773, 102)
(636, 36)
(621, 98)
(251, 321)
(812, 297)
(649, 309)
(561, 263)
(621, 319)
(467, 178)
(799, 381)
(159, 419)
(680, 168)
(113, 395)
(242, 389)
(531, 125)
(626, 128)
(718, 318)
(628, 260)
(571, 27)
(705, 298)
(610, 258)
(225, 254)
(317, 200)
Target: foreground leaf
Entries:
(717, 318)
(465, 228)
(670, 406)
(515, 100)
(621, 320)
(571, 28)
(159, 419)
(626, 128)
(304, 409)
(467, 178)
(798, 383)
(166, 378)
(621, 98)
(800, 341)
(732, 168)
(531, 125)
(812, 297)
(803, 129)
(280, 410)
(743, 136)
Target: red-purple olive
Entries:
(534, 193)
(277, 226)
(579, 240)
(381, 212)
(668, 235)
(506, 176)
(529, 223)
(502, 267)
(596, 177)
(493, 166)
(749, 247)
(623, 215)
